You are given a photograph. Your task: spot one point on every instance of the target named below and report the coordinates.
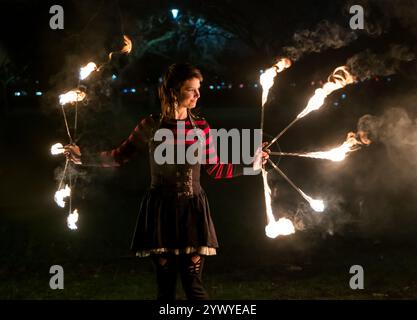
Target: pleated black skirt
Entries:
(175, 224)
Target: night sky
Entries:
(370, 196)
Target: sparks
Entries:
(71, 97)
(61, 194)
(57, 148)
(267, 78)
(87, 70)
(72, 220)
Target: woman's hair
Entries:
(174, 78)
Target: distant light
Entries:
(218, 87)
(222, 83)
(389, 79)
(261, 71)
(336, 104)
(255, 85)
(241, 85)
(174, 13)
(125, 90)
(344, 96)
(113, 77)
(17, 94)
(230, 86)
(133, 90)
(211, 87)
(160, 80)
(38, 93)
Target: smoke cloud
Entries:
(326, 35)
(398, 132)
(367, 64)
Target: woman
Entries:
(174, 225)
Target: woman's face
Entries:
(189, 93)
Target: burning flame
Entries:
(282, 227)
(267, 192)
(61, 194)
(71, 97)
(127, 46)
(57, 148)
(338, 154)
(267, 78)
(274, 228)
(337, 80)
(316, 205)
(72, 220)
(86, 70)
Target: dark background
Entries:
(370, 197)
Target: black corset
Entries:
(183, 180)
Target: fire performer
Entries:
(174, 225)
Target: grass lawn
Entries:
(390, 273)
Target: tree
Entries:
(188, 37)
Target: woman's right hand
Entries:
(73, 153)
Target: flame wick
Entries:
(57, 148)
(282, 227)
(337, 80)
(61, 194)
(274, 228)
(87, 70)
(267, 78)
(71, 97)
(336, 154)
(72, 220)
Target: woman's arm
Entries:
(214, 167)
(137, 141)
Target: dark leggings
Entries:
(167, 266)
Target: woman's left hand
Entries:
(265, 153)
